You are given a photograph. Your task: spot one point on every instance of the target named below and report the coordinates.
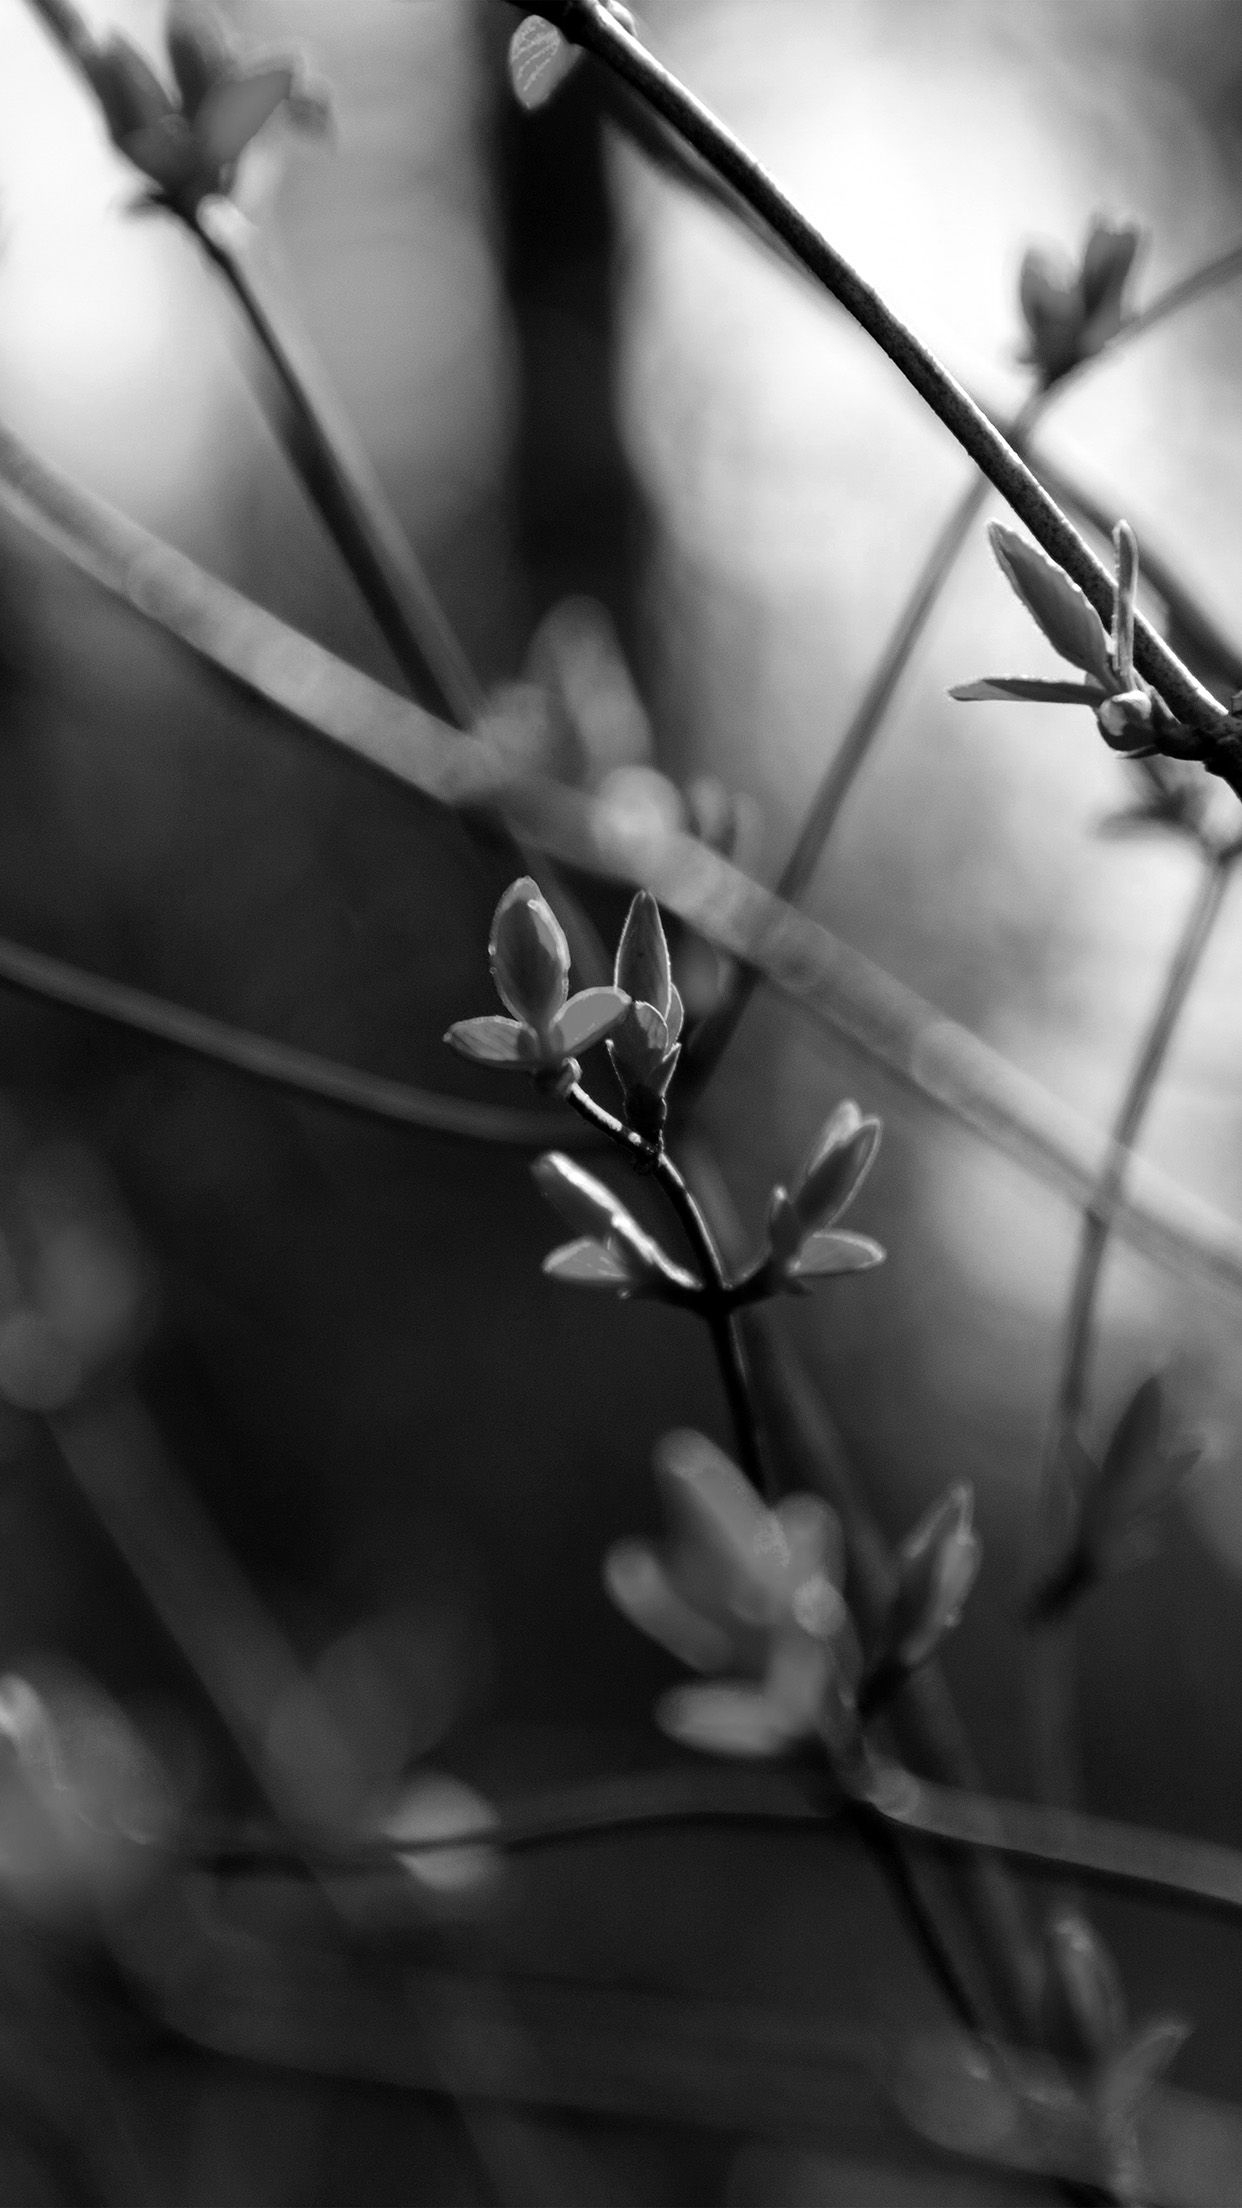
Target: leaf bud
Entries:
(937, 1564)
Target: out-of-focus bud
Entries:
(84, 1806)
(937, 1565)
(1086, 2005)
(73, 1289)
(1125, 720)
(1071, 312)
(540, 59)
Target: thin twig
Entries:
(711, 1299)
(1051, 1673)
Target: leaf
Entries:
(491, 1040)
(529, 955)
(1083, 1980)
(1137, 1478)
(937, 1565)
(642, 1590)
(642, 967)
(829, 1252)
(730, 1554)
(539, 62)
(435, 1806)
(589, 1264)
(198, 54)
(587, 1018)
(724, 1720)
(235, 111)
(1134, 2070)
(583, 1201)
(1029, 687)
(1055, 603)
(836, 1167)
(127, 89)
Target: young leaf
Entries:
(587, 1018)
(829, 1252)
(1055, 603)
(582, 1201)
(1029, 687)
(642, 968)
(1141, 1469)
(724, 1720)
(589, 1264)
(1083, 1983)
(937, 1564)
(836, 1167)
(644, 1593)
(529, 955)
(235, 111)
(490, 1040)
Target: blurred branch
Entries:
(208, 1609)
(835, 986)
(301, 1072)
(319, 442)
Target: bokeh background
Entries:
(578, 385)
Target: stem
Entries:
(721, 1319)
(342, 487)
(590, 24)
(1052, 1653)
(713, 1300)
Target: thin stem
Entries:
(346, 493)
(590, 23)
(1051, 1676)
(727, 1339)
(712, 1300)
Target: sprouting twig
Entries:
(1051, 1654)
(591, 24)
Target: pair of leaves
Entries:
(529, 959)
(1124, 710)
(803, 1243)
(741, 1589)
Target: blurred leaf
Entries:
(235, 111)
(937, 1565)
(724, 1719)
(434, 1806)
(836, 1167)
(642, 1590)
(1083, 1983)
(539, 61)
(829, 1251)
